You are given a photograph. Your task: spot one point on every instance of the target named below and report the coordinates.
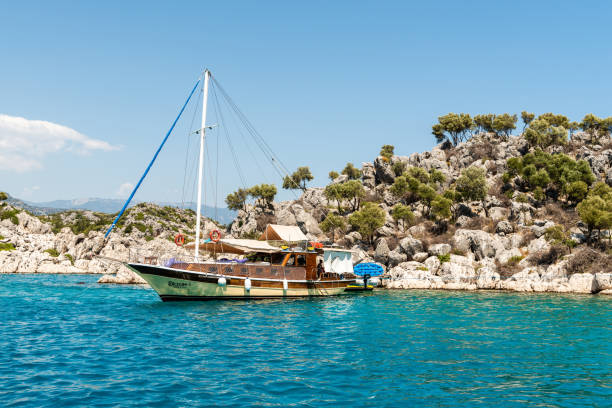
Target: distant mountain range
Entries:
(111, 205)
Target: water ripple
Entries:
(72, 344)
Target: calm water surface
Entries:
(66, 341)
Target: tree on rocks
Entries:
(504, 124)
(441, 211)
(556, 173)
(453, 127)
(398, 168)
(404, 186)
(332, 223)
(333, 192)
(387, 151)
(263, 193)
(436, 177)
(419, 173)
(596, 209)
(541, 133)
(402, 213)
(527, 118)
(426, 194)
(576, 191)
(455, 198)
(333, 175)
(484, 123)
(500, 125)
(352, 191)
(351, 171)
(368, 219)
(472, 185)
(298, 179)
(237, 199)
(597, 128)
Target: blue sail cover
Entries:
(373, 269)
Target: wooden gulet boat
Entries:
(269, 272)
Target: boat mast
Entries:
(202, 140)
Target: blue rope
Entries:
(152, 161)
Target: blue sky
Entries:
(324, 82)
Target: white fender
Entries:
(285, 284)
(247, 284)
(221, 281)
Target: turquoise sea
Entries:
(67, 341)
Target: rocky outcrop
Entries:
(37, 249)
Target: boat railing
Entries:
(162, 258)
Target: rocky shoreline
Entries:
(514, 237)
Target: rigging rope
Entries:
(265, 148)
(152, 161)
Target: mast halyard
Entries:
(201, 164)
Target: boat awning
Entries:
(237, 246)
(287, 233)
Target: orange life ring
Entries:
(179, 240)
(215, 235)
(314, 244)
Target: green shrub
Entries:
(459, 252)
(52, 251)
(70, 258)
(422, 268)
(140, 226)
(444, 258)
(148, 238)
(514, 260)
(11, 215)
(139, 216)
(3, 196)
(128, 229)
(6, 246)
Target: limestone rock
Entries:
(432, 263)
(123, 276)
(384, 174)
(458, 270)
(420, 256)
(480, 243)
(487, 278)
(498, 213)
(411, 246)
(537, 245)
(504, 227)
(382, 251)
(583, 283)
(603, 281)
(395, 258)
(439, 249)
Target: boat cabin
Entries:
(262, 260)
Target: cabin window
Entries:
(277, 259)
(212, 269)
(228, 269)
(301, 260)
(291, 261)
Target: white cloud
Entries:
(125, 189)
(24, 143)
